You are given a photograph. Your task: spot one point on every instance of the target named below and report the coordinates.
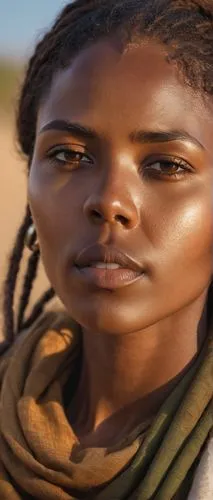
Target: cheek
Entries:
(56, 209)
(186, 242)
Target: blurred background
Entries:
(22, 24)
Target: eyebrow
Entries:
(137, 136)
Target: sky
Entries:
(22, 22)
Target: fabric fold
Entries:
(37, 441)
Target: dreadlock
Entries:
(184, 27)
(10, 285)
(12, 274)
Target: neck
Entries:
(130, 376)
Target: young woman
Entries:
(110, 398)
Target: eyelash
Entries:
(147, 169)
(179, 164)
(52, 156)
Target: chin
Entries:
(112, 319)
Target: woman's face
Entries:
(122, 166)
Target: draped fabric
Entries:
(41, 457)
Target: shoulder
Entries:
(51, 320)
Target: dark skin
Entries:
(148, 195)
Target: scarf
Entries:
(40, 457)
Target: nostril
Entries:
(96, 215)
(122, 220)
(101, 215)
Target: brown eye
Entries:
(167, 168)
(68, 156)
(62, 156)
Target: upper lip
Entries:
(107, 254)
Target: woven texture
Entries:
(40, 455)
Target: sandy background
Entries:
(12, 200)
(12, 189)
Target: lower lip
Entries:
(108, 278)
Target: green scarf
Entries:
(174, 440)
(36, 438)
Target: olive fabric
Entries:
(40, 455)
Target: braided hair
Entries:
(184, 27)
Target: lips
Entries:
(107, 267)
(107, 255)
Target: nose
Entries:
(113, 203)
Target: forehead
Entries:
(118, 91)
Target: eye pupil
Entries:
(167, 169)
(163, 166)
(169, 166)
(70, 156)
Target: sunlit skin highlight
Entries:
(124, 113)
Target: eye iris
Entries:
(70, 157)
(165, 167)
(169, 167)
